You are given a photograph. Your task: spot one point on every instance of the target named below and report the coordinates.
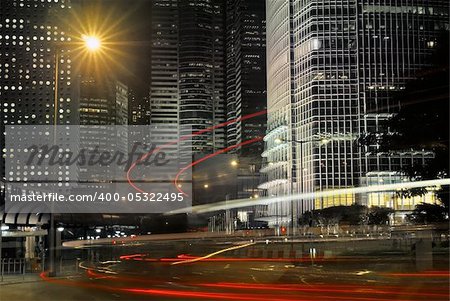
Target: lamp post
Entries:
(1, 248)
(91, 44)
(301, 142)
(229, 221)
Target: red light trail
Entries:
(258, 291)
(185, 137)
(175, 182)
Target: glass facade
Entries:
(202, 72)
(333, 68)
(277, 158)
(246, 88)
(164, 88)
(246, 76)
(187, 92)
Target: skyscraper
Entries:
(332, 70)
(103, 119)
(202, 71)
(246, 94)
(187, 70)
(164, 90)
(103, 102)
(246, 72)
(30, 35)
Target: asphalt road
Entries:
(163, 272)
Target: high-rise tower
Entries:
(246, 72)
(333, 68)
(31, 33)
(187, 70)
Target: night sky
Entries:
(128, 25)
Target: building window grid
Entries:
(303, 116)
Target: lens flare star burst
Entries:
(92, 43)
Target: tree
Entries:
(331, 216)
(379, 215)
(428, 214)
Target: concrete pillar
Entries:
(30, 247)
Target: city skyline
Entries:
(331, 78)
(271, 150)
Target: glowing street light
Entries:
(92, 43)
(205, 186)
(234, 163)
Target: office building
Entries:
(31, 33)
(246, 73)
(103, 102)
(164, 90)
(246, 87)
(187, 71)
(333, 68)
(103, 119)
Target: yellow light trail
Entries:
(213, 254)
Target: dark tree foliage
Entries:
(422, 122)
(379, 215)
(349, 215)
(428, 214)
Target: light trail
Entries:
(185, 137)
(255, 291)
(207, 157)
(239, 203)
(323, 289)
(213, 254)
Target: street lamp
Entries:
(91, 44)
(301, 142)
(228, 212)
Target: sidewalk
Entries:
(18, 279)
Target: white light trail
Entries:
(239, 203)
